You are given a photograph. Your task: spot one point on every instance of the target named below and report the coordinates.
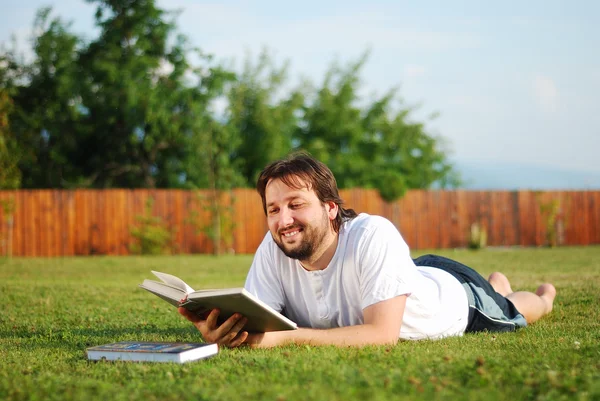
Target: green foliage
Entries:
(128, 109)
(151, 237)
(60, 306)
(220, 206)
(137, 97)
(10, 174)
(374, 147)
(7, 209)
(264, 117)
(214, 167)
(45, 117)
(477, 237)
(551, 213)
(117, 111)
(212, 164)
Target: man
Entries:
(349, 280)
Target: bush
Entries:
(151, 235)
(477, 237)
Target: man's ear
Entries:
(332, 209)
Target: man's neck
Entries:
(321, 259)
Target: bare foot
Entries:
(500, 283)
(547, 292)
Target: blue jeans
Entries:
(488, 310)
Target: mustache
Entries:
(295, 225)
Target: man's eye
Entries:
(273, 211)
(295, 205)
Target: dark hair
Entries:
(300, 170)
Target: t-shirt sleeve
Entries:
(385, 266)
(263, 279)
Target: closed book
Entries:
(152, 351)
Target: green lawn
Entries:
(55, 308)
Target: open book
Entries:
(261, 317)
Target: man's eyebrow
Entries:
(288, 199)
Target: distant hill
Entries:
(486, 175)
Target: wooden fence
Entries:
(99, 222)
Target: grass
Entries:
(55, 308)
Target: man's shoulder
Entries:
(366, 227)
(368, 222)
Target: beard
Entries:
(312, 237)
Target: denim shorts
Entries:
(488, 310)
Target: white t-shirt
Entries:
(371, 264)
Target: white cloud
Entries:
(546, 93)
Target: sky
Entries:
(513, 82)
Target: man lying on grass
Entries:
(348, 279)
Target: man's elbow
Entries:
(389, 340)
(383, 337)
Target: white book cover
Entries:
(140, 351)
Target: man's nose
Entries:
(286, 217)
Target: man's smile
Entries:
(291, 232)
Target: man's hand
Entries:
(227, 334)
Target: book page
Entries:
(173, 281)
(170, 294)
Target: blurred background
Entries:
(393, 96)
(514, 86)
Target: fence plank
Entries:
(595, 239)
(23, 217)
(5, 198)
(409, 226)
(444, 217)
(44, 223)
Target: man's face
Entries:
(299, 223)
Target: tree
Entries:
(215, 169)
(401, 154)
(42, 95)
(129, 109)
(10, 175)
(119, 111)
(372, 147)
(263, 114)
(332, 128)
(211, 162)
(134, 95)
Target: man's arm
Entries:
(382, 322)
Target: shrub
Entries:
(551, 213)
(477, 236)
(151, 235)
